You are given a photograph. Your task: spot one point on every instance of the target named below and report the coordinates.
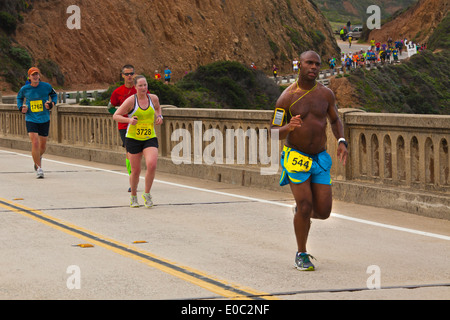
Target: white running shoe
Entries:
(134, 202)
(39, 173)
(147, 200)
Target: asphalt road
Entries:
(356, 47)
(201, 240)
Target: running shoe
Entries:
(134, 202)
(39, 173)
(303, 263)
(147, 200)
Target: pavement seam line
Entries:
(199, 278)
(271, 202)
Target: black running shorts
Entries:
(136, 146)
(40, 128)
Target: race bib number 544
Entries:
(297, 162)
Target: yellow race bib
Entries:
(297, 162)
(143, 130)
(36, 106)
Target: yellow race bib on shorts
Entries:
(297, 162)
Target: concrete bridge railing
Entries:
(395, 160)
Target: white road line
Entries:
(335, 215)
(388, 226)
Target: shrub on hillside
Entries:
(419, 85)
(229, 84)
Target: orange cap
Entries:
(33, 70)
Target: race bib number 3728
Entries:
(143, 130)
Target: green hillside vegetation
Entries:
(220, 85)
(229, 84)
(335, 11)
(14, 60)
(440, 39)
(420, 85)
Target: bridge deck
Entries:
(201, 240)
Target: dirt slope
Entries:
(180, 34)
(417, 23)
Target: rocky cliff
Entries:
(179, 34)
(417, 23)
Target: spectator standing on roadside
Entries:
(348, 63)
(295, 66)
(167, 75)
(275, 73)
(372, 44)
(342, 34)
(157, 75)
(395, 55)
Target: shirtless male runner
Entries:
(301, 114)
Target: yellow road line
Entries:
(196, 277)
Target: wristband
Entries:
(342, 140)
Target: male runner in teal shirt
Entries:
(37, 114)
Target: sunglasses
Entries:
(129, 74)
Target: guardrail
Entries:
(400, 151)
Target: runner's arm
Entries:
(158, 114)
(121, 113)
(289, 123)
(337, 128)
(113, 102)
(19, 99)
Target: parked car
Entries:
(356, 32)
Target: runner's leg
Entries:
(151, 158)
(302, 217)
(135, 162)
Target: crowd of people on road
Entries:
(378, 52)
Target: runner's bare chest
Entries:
(313, 104)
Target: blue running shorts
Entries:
(297, 167)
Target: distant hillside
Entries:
(355, 10)
(153, 34)
(420, 85)
(417, 23)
